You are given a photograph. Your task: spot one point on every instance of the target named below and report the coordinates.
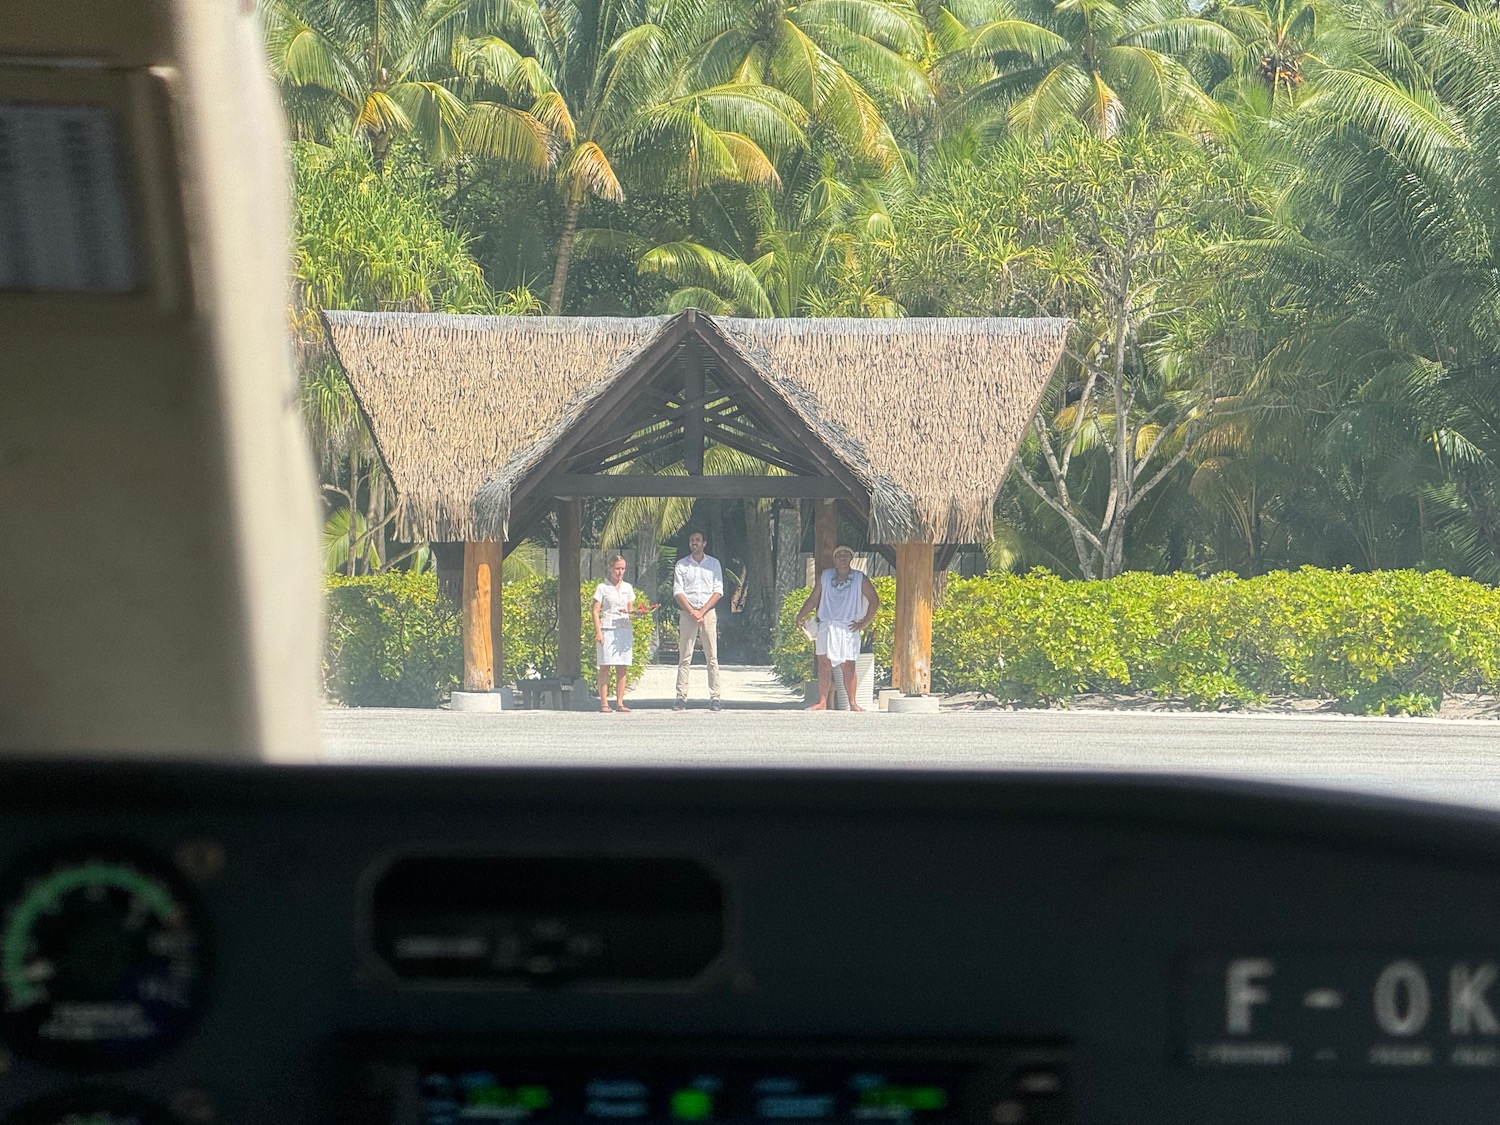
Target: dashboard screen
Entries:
(735, 1086)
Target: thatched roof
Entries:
(926, 414)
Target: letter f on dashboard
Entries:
(1243, 990)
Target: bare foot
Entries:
(816, 707)
(855, 707)
(606, 709)
(620, 705)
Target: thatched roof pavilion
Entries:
(486, 422)
(924, 415)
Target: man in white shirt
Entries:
(697, 585)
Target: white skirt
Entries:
(837, 642)
(618, 646)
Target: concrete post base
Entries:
(883, 702)
(491, 701)
(915, 704)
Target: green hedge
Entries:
(1380, 642)
(392, 642)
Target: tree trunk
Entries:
(564, 251)
(645, 561)
(569, 592)
(448, 561)
(375, 521)
(788, 553)
(352, 561)
(825, 535)
(758, 602)
(716, 541)
(380, 148)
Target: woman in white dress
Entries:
(613, 607)
(845, 602)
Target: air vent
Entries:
(547, 919)
(64, 215)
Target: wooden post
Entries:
(912, 659)
(692, 420)
(569, 591)
(825, 533)
(481, 624)
(497, 605)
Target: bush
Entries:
(792, 652)
(1379, 643)
(529, 623)
(393, 642)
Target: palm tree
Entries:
(611, 81)
(841, 59)
(388, 69)
(1279, 37)
(1379, 205)
(805, 234)
(1102, 62)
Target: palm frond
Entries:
(507, 134)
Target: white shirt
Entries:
(698, 581)
(842, 605)
(613, 602)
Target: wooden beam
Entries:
(481, 619)
(650, 443)
(524, 519)
(645, 415)
(725, 487)
(825, 534)
(912, 659)
(605, 410)
(768, 454)
(776, 412)
(692, 418)
(569, 593)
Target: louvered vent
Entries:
(65, 223)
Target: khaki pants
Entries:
(689, 633)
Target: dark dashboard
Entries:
(434, 946)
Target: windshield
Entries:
(1105, 386)
(1208, 429)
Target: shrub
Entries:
(531, 632)
(1028, 640)
(1381, 642)
(393, 642)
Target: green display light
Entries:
(533, 1097)
(912, 1098)
(692, 1105)
(498, 1097)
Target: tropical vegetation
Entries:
(393, 641)
(1384, 642)
(1275, 223)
